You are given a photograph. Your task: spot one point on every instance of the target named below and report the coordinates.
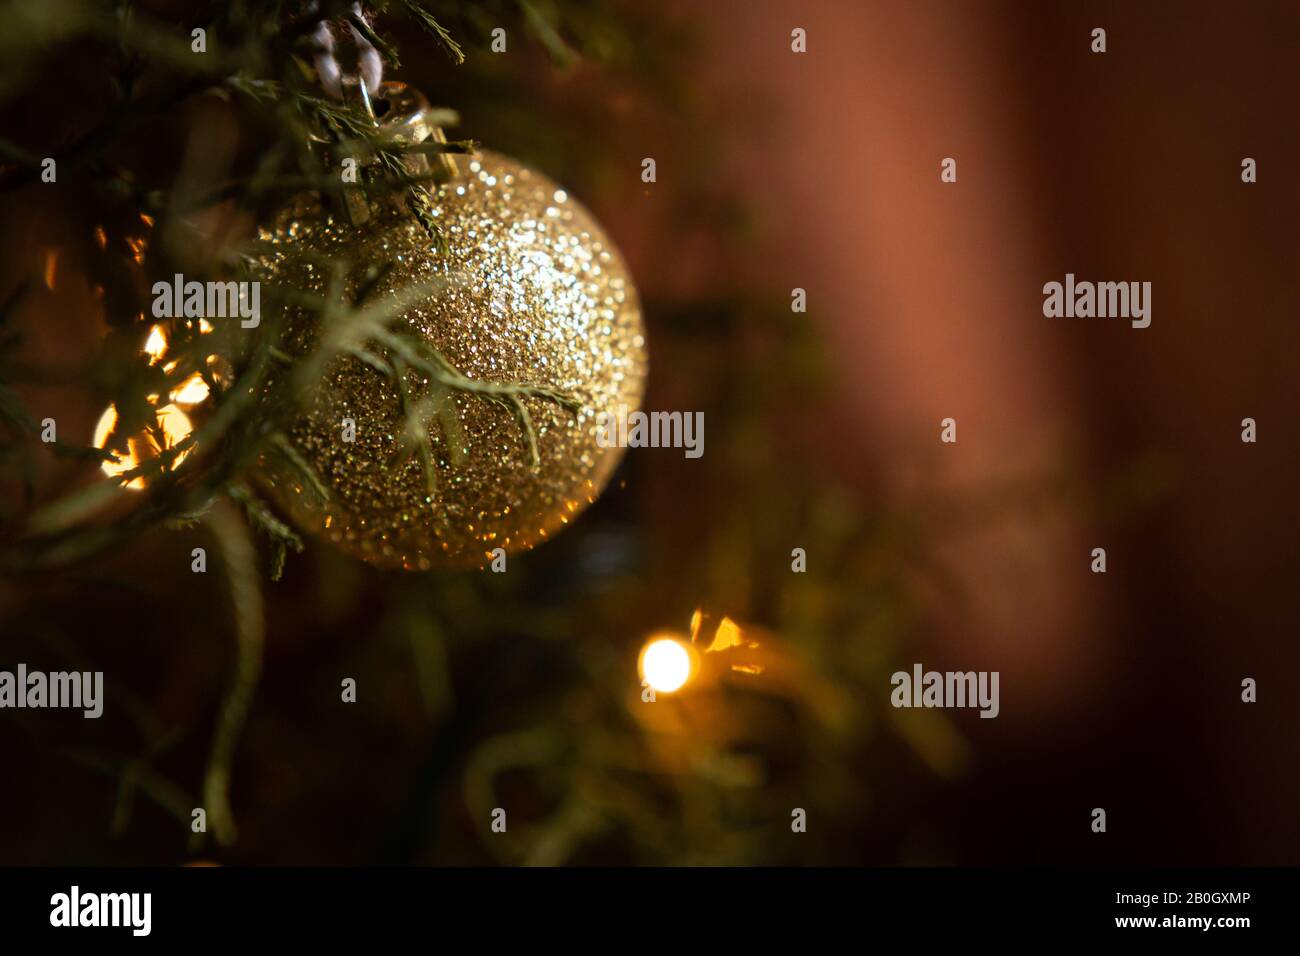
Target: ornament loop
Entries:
(408, 121)
(403, 117)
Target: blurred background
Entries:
(775, 171)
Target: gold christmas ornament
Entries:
(530, 302)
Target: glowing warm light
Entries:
(171, 425)
(51, 267)
(104, 427)
(669, 661)
(191, 391)
(156, 344)
(175, 426)
(666, 664)
(726, 636)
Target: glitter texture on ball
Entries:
(531, 290)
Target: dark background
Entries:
(777, 171)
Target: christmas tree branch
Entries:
(283, 538)
(415, 434)
(430, 23)
(347, 330)
(239, 562)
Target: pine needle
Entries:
(431, 24)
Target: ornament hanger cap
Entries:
(403, 117)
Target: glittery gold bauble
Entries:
(533, 292)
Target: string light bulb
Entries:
(171, 425)
(669, 661)
(667, 664)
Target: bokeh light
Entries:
(666, 664)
